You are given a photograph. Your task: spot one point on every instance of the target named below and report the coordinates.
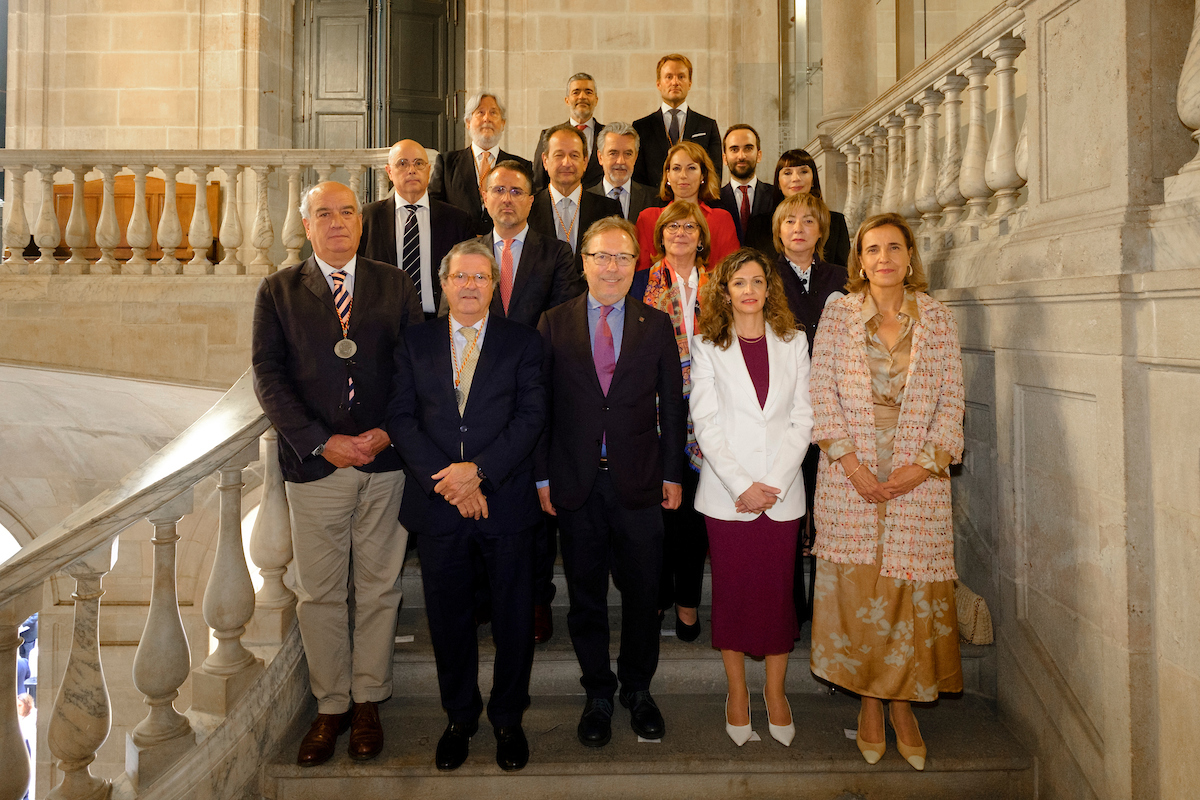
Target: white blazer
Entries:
(743, 443)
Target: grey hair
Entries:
(578, 76)
(473, 103)
(306, 198)
(471, 247)
(618, 129)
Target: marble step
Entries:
(971, 755)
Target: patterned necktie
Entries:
(566, 221)
(616, 194)
(506, 274)
(745, 208)
(605, 352)
(485, 163)
(471, 355)
(412, 249)
(343, 302)
(673, 131)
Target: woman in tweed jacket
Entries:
(887, 394)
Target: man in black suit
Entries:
(410, 229)
(673, 122)
(468, 407)
(581, 99)
(748, 200)
(617, 152)
(611, 456)
(563, 210)
(323, 341)
(458, 175)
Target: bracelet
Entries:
(856, 469)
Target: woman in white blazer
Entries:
(753, 421)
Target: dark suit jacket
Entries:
(447, 227)
(837, 248)
(640, 197)
(654, 144)
(301, 383)
(498, 430)
(546, 277)
(591, 208)
(807, 306)
(592, 175)
(454, 181)
(763, 206)
(640, 458)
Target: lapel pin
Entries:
(641, 319)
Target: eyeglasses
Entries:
(419, 164)
(516, 193)
(605, 259)
(462, 278)
(676, 227)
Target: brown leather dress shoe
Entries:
(318, 744)
(366, 732)
(543, 624)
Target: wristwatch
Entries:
(319, 448)
(480, 474)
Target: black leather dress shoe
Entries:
(595, 726)
(512, 748)
(685, 632)
(644, 716)
(454, 745)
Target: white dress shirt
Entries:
(608, 187)
(348, 281)
(570, 218)
(737, 192)
(518, 247)
(493, 152)
(424, 233)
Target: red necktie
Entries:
(506, 274)
(745, 208)
(605, 354)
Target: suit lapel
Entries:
(364, 289)
(489, 354)
(531, 253)
(762, 199)
(691, 125)
(581, 342)
(633, 331)
(465, 177)
(776, 358)
(315, 282)
(735, 362)
(385, 223)
(443, 363)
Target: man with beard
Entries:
(458, 176)
(617, 152)
(748, 200)
(581, 100)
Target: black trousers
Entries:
(599, 537)
(802, 589)
(685, 546)
(447, 571)
(545, 550)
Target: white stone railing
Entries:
(904, 152)
(230, 436)
(271, 182)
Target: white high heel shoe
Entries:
(739, 733)
(781, 733)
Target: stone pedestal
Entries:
(217, 694)
(146, 764)
(269, 625)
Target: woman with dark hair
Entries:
(796, 173)
(753, 418)
(688, 174)
(887, 388)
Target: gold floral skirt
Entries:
(884, 637)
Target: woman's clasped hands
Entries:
(902, 480)
(757, 499)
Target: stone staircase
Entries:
(972, 755)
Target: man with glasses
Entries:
(613, 454)
(468, 407)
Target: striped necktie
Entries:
(412, 249)
(343, 301)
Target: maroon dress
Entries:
(753, 563)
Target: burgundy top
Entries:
(755, 355)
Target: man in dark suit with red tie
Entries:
(748, 200)
(581, 99)
(410, 229)
(458, 175)
(468, 407)
(323, 341)
(673, 122)
(611, 456)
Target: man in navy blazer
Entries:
(468, 407)
(612, 455)
(617, 152)
(458, 175)
(674, 81)
(581, 99)
(742, 155)
(324, 336)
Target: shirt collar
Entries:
(456, 326)
(804, 269)
(493, 152)
(594, 304)
(693, 280)
(908, 308)
(520, 237)
(422, 202)
(666, 109)
(555, 197)
(327, 270)
(608, 187)
(752, 183)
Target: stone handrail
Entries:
(225, 440)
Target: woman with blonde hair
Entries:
(887, 391)
(753, 418)
(796, 173)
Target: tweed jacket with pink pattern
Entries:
(919, 535)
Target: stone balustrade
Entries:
(256, 219)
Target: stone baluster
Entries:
(230, 234)
(108, 232)
(927, 199)
(228, 603)
(1001, 172)
(879, 161)
(356, 172)
(971, 181)
(81, 718)
(948, 193)
(893, 193)
(293, 228)
(323, 172)
(47, 234)
(264, 233)
(170, 231)
(271, 551)
(16, 226)
(1187, 96)
(912, 161)
(1022, 161)
(160, 665)
(200, 233)
(138, 234)
(77, 225)
(14, 778)
(866, 173)
(850, 151)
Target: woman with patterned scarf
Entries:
(672, 284)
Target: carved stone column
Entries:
(356, 172)
(271, 551)
(264, 234)
(231, 225)
(200, 233)
(77, 225)
(170, 231)
(948, 193)
(927, 200)
(16, 226)
(293, 228)
(1187, 97)
(1001, 172)
(893, 192)
(971, 181)
(866, 174)
(14, 777)
(46, 234)
(879, 160)
(912, 161)
(108, 232)
(138, 233)
(853, 182)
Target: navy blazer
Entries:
(654, 144)
(591, 208)
(592, 174)
(454, 181)
(546, 277)
(807, 306)
(498, 430)
(300, 382)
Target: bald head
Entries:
(408, 169)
